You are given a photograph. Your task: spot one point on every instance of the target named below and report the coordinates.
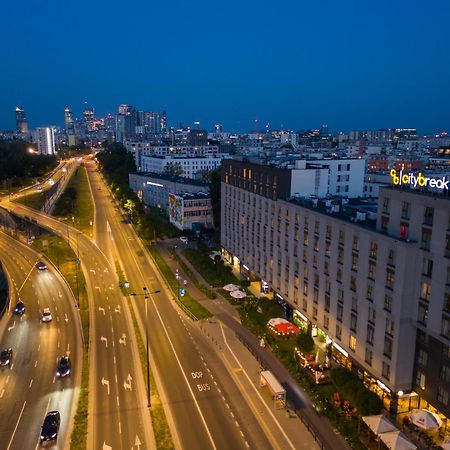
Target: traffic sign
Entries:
(126, 285)
(78, 261)
(182, 292)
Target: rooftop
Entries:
(173, 179)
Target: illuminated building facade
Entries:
(21, 120)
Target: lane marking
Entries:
(17, 424)
(31, 383)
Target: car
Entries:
(63, 367)
(6, 357)
(50, 427)
(46, 315)
(184, 239)
(19, 309)
(41, 265)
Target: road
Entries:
(29, 387)
(118, 416)
(204, 404)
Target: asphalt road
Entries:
(29, 388)
(205, 407)
(118, 417)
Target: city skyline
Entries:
(278, 63)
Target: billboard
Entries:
(176, 210)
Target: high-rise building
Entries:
(70, 127)
(88, 117)
(148, 122)
(126, 122)
(21, 120)
(198, 137)
(44, 137)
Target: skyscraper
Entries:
(88, 116)
(21, 120)
(44, 137)
(126, 121)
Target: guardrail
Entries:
(4, 292)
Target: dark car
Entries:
(19, 309)
(50, 427)
(63, 367)
(41, 265)
(6, 357)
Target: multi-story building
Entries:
(21, 120)
(371, 282)
(44, 137)
(126, 121)
(191, 211)
(153, 189)
(69, 126)
(88, 119)
(188, 167)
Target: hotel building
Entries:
(374, 280)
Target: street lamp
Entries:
(146, 294)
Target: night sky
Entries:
(295, 64)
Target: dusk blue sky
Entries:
(351, 64)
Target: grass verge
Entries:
(161, 428)
(188, 303)
(58, 251)
(35, 200)
(76, 202)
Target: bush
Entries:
(340, 376)
(305, 342)
(367, 402)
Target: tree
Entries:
(173, 169)
(305, 342)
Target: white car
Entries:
(184, 239)
(46, 315)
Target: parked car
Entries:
(46, 315)
(50, 427)
(6, 357)
(19, 309)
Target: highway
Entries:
(203, 402)
(118, 416)
(29, 388)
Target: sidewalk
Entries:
(298, 401)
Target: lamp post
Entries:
(146, 294)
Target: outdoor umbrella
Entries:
(231, 287)
(238, 294)
(425, 419)
(379, 424)
(395, 440)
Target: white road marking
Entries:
(31, 383)
(35, 364)
(17, 424)
(2, 393)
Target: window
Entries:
(422, 314)
(447, 301)
(387, 347)
(305, 255)
(425, 291)
(327, 249)
(326, 267)
(340, 255)
(404, 231)
(316, 295)
(389, 328)
(384, 224)
(327, 302)
(426, 239)
(368, 356)
(339, 275)
(372, 315)
(340, 296)
(327, 286)
(386, 370)
(427, 267)
(355, 243)
(370, 333)
(422, 357)
(444, 373)
(355, 304)
(420, 379)
(448, 275)
(338, 332)
(340, 311)
(353, 322)
(316, 227)
(316, 244)
(369, 294)
(385, 205)
(442, 395)
(391, 258)
(326, 322)
(341, 237)
(428, 216)
(372, 267)
(373, 250)
(353, 283)
(315, 313)
(328, 232)
(405, 210)
(305, 304)
(305, 238)
(305, 288)
(354, 261)
(352, 343)
(445, 329)
(390, 278)
(447, 246)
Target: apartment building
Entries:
(356, 275)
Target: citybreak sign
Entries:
(419, 180)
